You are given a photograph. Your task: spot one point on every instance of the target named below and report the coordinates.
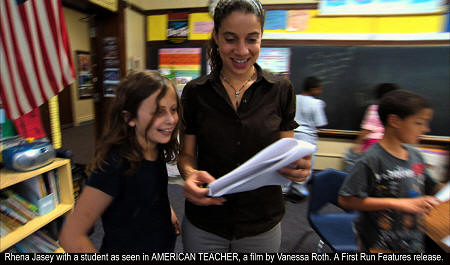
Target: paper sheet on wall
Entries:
(261, 169)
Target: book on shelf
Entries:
(261, 169)
(12, 214)
(43, 189)
(9, 222)
(50, 178)
(22, 210)
(46, 240)
(4, 229)
(21, 200)
(31, 190)
(38, 242)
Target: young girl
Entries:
(390, 185)
(371, 127)
(128, 182)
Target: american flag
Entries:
(35, 56)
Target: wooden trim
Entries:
(347, 134)
(205, 9)
(291, 6)
(181, 45)
(274, 42)
(352, 42)
(135, 8)
(166, 11)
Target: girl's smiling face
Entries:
(165, 119)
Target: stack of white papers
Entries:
(444, 193)
(261, 169)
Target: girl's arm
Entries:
(417, 205)
(74, 235)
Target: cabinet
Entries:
(9, 178)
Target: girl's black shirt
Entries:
(139, 217)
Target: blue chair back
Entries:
(335, 228)
(325, 188)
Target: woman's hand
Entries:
(175, 222)
(194, 189)
(297, 171)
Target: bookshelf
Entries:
(9, 178)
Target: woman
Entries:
(230, 115)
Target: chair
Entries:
(335, 229)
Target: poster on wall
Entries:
(380, 7)
(180, 64)
(177, 28)
(85, 86)
(111, 74)
(275, 60)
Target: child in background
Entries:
(310, 114)
(128, 182)
(390, 185)
(371, 127)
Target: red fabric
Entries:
(30, 125)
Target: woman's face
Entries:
(239, 41)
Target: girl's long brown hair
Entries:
(118, 135)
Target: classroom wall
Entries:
(82, 110)
(331, 151)
(135, 39)
(168, 4)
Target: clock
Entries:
(212, 6)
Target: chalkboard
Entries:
(350, 73)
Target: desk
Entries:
(437, 224)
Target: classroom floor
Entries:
(297, 235)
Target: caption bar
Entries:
(222, 257)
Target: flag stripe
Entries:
(47, 92)
(54, 37)
(10, 58)
(36, 60)
(49, 67)
(16, 27)
(32, 68)
(25, 47)
(70, 69)
(48, 43)
(62, 51)
(8, 95)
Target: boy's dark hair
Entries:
(384, 88)
(223, 9)
(310, 83)
(401, 103)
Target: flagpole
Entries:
(54, 122)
